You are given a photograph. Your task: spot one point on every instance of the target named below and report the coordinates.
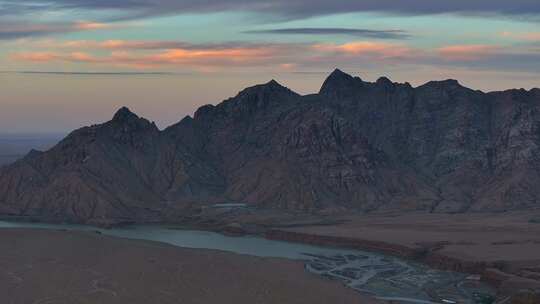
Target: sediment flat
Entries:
(504, 247)
(71, 267)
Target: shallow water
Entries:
(249, 245)
(366, 272)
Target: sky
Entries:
(69, 63)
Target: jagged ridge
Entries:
(355, 145)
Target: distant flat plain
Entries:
(14, 146)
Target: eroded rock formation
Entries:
(356, 145)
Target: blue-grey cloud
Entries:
(83, 73)
(364, 33)
(10, 29)
(281, 8)
(15, 30)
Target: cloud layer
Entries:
(16, 30)
(149, 54)
(364, 33)
(279, 8)
(286, 56)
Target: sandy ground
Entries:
(475, 237)
(61, 267)
(511, 240)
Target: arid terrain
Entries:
(66, 267)
(439, 174)
(85, 267)
(504, 248)
(361, 146)
(269, 151)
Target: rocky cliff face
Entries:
(355, 145)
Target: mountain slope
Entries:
(355, 145)
(121, 169)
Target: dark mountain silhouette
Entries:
(369, 147)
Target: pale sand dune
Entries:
(63, 267)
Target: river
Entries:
(369, 273)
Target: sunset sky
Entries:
(68, 63)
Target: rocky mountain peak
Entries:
(361, 146)
(130, 121)
(448, 83)
(535, 92)
(337, 73)
(249, 100)
(338, 83)
(203, 111)
(270, 88)
(451, 82)
(124, 114)
(384, 82)
(254, 100)
(273, 83)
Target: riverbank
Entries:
(501, 249)
(369, 273)
(51, 266)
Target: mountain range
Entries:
(354, 146)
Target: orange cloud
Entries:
(83, 57)
(107, 44)
(83, 25)
(144, 54)
(35, 57)
(376, 49)
(235, 55)
(467, 52)
(148, 54)
(50, 57)
(288, 66)
(183, 57)
(180, 50)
